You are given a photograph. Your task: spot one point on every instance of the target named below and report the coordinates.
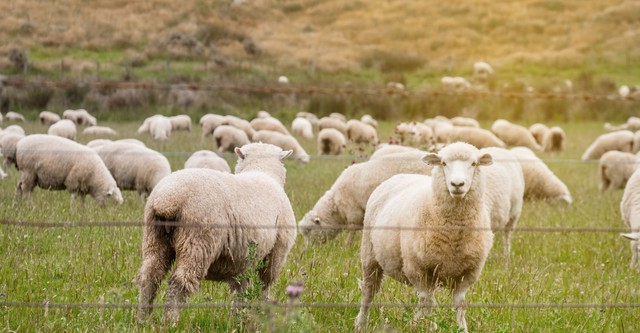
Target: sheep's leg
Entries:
(275, 261)
(508, 234)
(372, 275)
(635, 264)
(158, 256)
(459, 303)
(25, 186)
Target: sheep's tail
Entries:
(161, 220)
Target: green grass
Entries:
(95, 265)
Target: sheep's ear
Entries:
(239, 153)
(485, 159)
(632, 236)
(432, 159)
(285, 153)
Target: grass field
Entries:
(96, 264)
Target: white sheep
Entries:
(539, 181)
(615, 168)
(99, 130)
(368, 119)
(482, 71)
(630, 209)
(479, 137)
(331, 142)
(286, 142)
(343, 205)
(64, 128)
(632, 124)
(339, 116)
(440, 128)
(209, 122)
(8, 143)
(14, 116)
(538, 131)
(239, 123)
(180, 122)
(269, 124)
(134, 167)
(618, 140)
(359, 132)
(428, 231)
(456, 83)
(80, 117)
(213, 226)
(385, 149)
(13, 129)
(263, 114)
(553, 139)
(420, 134)
(160, 128)
(464, 122)
(283, 79)
(514, 135)
(55, 163)
(144, 128)
(302, 127)
(207, 159)
(97, 142)
(48, 118)
(331, 122)
(229, 137)
(308, 116)
(403, 130)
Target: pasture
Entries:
(79, 278)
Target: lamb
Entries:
(160, 128)
(48, 118)
(135, 168)
(367, 119)
(615, 168)
(331, 142)
(286, 142)
(343, 205)
(330, 122)
(229, 137)
(359, 132)
(64, 128)
(618, 140)
(207, 159)
(8, 144)
(80, 117)
(429, 231)
(539, 181)
(302, 127)
(538, 131)
(14, 116)
(479, 137)
(56, 163)
(180, 123)
(230, 224)
(630, 209)
(553, 140)
(269, 124)
(99, 130)
(514, 135)
(209, 122)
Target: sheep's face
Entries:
(459, 162)
(316, 229)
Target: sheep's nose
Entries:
(458, 183)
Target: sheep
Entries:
(99, 130)
(331, 142)
(330, 122)
(269, 124)
(420, 134)
(64, 128)
(218, 251)
(339, 116)
(144, 128)
(618, 140)
(180, 123)
(514, 135)
(538, 131)
(207, 159)
(302, 127)
(160, 128)
(14, 116)
(209, 122)
(13, 129)
(359, 132)
(283, 79)
(440, 128)
(455, 83)
(135, 168)
(403, 130)
(55, 163)
(408, 231)
(8, 144)
(229, 137)
(308, 116)
(367, 119)
(239, 123)
(632, 124)
(286, 142)
(48, 118)
(98, 142)
(615, 168)
(388, 149)
(482, 71)
(464, 122)
(539, 181)
(263, 114)
(80, 117)
(343, 205)
(553, 140)
(479, 137)
(630, 209)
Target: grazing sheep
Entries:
(367, 119)
(14, 116)
(135, 168)
(13, 129)
(553, 140)
(403, 130)
(144, 128)
(440, 128)
(286, 142)
(339, 116)
(482, 71)
(99, 130)
(228, 138)
(330, 122)
(55, 163)
(539, 181)
(263, 114)
(230, 224)
(283, 79)
(180, 123)
(8, 143)
(455, 83)
(514, 135)
(538, 131)
(385, 149)
(630, 209)
(479, 137)
(615, 168)
(632, 124)
(64, 128)
(302, 127)
(48, 118)
(160, 128)
(464, 122)
(207, 159)
(80, 117)
(331, 142)
(343, 205)
(308, 116)
(209, 122)
(239, 123)
(407, 233)
(420, 134)
(359, 132)
(268, 124)
(618, 140)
